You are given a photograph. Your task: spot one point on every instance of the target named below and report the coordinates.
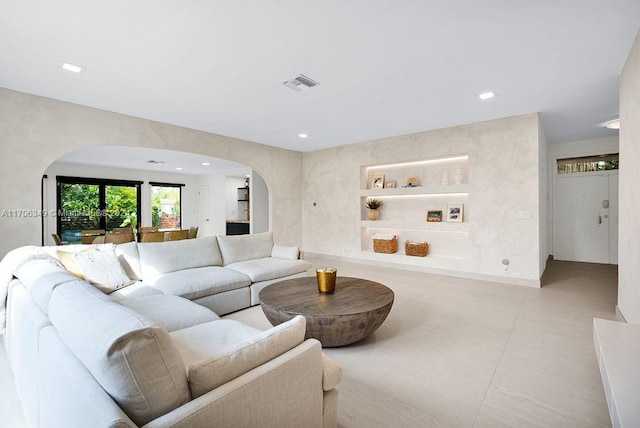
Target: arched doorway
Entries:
(197, 200)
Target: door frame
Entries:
(553, 168)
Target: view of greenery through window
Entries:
(165, 207)
(81, 208)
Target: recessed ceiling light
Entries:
(179, 168)
(487, 95)
(303, 135)
(73, 68)
(206, 163)
(614, 124)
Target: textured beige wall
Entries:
(35, 131)
(503, 175)
(629, 226)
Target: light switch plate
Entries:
(523, 214)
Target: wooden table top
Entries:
(352, 296)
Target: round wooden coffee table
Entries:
(356, 309)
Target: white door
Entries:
(203, 211)
(585, 218)
(613, 218)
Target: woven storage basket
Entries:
(419, 249)
(388, 246)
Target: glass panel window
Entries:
(122, 206)
(588, 164)
(79, 210)
(166, 206)
(95, 204)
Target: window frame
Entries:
(162, 184)
(102, 200)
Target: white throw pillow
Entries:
(103, 270)
(282, 252)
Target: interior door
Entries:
(613, 218)
(582, 217)
(203, 211)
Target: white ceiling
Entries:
(385, 67)
(137, 158)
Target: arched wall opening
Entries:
(36, 131)
(209, 191)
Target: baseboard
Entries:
(436, 271)
(619, 315)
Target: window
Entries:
(92, 203)
(588, 164)
(166, 205)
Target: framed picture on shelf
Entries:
(377, 181)
(454, 213)
(390, 184)
(434, 216)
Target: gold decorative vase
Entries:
(373, 215)
(326, 280)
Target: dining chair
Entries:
(152, 236)
(118, 238)
(122, 230)
(176, 235)
(56, 239)
(193, 233)
(98, 240)
(89, 235)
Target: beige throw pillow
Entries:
(102, 269)
(69, 263)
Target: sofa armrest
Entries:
(331, 373)
(286, 391)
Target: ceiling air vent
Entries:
(300, 82)
(155, 161)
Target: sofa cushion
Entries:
(137, 289)
(157, 258)
(171, 312)
(238, 248)
(66, 255)
(287, 253)
(199, 282)
(210, 367)
(331, 373)
(269, 268)
(132, 358)
(68, 260)
(102, 269)
(40, 277)
(130, 259)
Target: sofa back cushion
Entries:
(238, 248)
(210, 367)
(133, 359)
(40, 275)
(157, 258)
(130, 259)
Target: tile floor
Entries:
(465, 353)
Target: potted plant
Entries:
(373, 205)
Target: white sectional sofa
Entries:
(153, 353)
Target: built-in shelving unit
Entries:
(442, 182)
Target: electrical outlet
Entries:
(523, 214)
